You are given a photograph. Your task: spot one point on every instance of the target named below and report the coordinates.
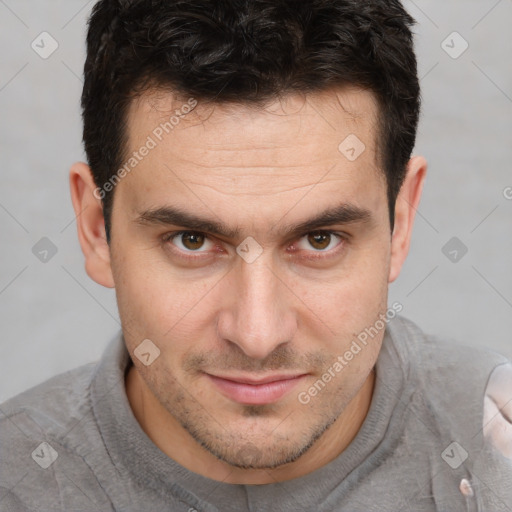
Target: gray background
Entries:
(53, 317)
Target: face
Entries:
(250, 314)
(252, 247)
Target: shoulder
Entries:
(461, 392)
(53, 403)
(44, 433)
(438, 361)
(56, 404)
(451, 386)
(458, 421)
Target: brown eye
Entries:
(319, 241)
(190, 241)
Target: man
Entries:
(250, 194)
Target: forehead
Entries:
(277, 123)
(272, 152)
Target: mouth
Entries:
(249, 390)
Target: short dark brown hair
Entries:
(248, 51)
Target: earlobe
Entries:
(406, 206)
(90, 224)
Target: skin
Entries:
(293, 310)
(497, 416)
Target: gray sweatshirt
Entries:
(72, 444)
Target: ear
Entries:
(405, 209)
(90, 224)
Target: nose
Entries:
(259, 315)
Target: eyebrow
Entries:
(167, 215)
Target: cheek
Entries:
(351, 297)
(155, 302)
(353, 309)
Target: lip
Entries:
(255, 391)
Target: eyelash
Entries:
(191, 255)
